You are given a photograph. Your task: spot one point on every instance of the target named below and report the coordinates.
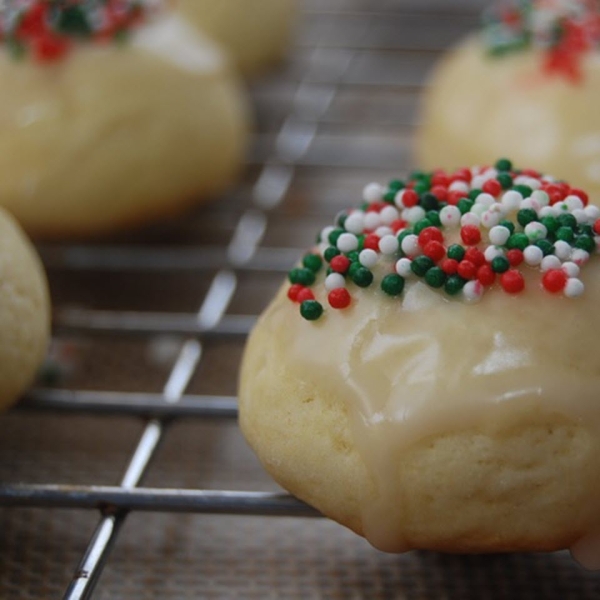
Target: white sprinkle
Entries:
(580, 215)
(490, 218)
(372, 220)
(373, 192)
(546, 211)
(478, 209)
(450, 216)
(570, 268)
(410, 245)
(368, 258)
(398, 199)
(403, 267)
(499, 235)
(389, 244)
(459, 186)
(334, 281)
(485, 199)
(355, 222)
(550, 262)
(325, 234)
(540, 197)
(492, 252)
(388, 215)
(478, 181)
(536, 231)
(592, 211)
(472, 291)
(531, 182)
(562, 249)
(579, 256)
(383, 231)
(470, 219)
(574, 288)
(573, 202)
(528, 203)
(533, 255)
(415, 214)
(347, 242)
(511, 200)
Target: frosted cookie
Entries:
(24, 311)
(428, 375)
(112, 114)
(255, 33)
(527, 86)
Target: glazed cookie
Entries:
(255, 33)
(24, 311)
(527, 85)
(112, 114)
(428, 378)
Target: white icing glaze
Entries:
(423, 365)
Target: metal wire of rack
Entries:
(342, 110)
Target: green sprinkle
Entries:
(509, 225)
(456, 252)
(565, 234)
(454, 284)
(302, 276)
(362, 277)
(550, 223)
(435, 277)
(503, 164)
(392, 284)
(330, 252)
(354, 266)
(474, 193)
(417, 175)
(500, 264)
(73, 21)
(567, 220)
(434, 217)
(341, 220)
(361, 241)
(403, 234)
(421, 187)
(311, 310)
(429, 202)
(585, 242)
(422, 224)
(526, 216)
(396, 185)
(353, 256)
(313, 262)
(586, 230)
(465, 205)
(420, 265)
(517, 240)
(545, 246)
(524, 190)
(334, 235)
(505, 180)
(389, 197)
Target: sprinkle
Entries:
(347, 242)
(372, 220)
(485, 275)
(420, 265)
(500, 264)
(535, 231)
(334, 281)
(392, 284)
(515, 257)
(355, 222)
(410, 245)
(554, 280)
(403, 267)
(373, 192)
(313, 262)
(470, 220)
(574, 288)
(533, 255)
(550, 262)
(414, 214)
(368, 258)
(362, 277)
(339, 298)
(562, 249)
(311, 310)
(470, 235)
(388, 215)
(571, 269)
(340, 263)
(302, 276)
(389, 244)
(499, 235)
(294, 290)
(512, 281)
(449, 266)
(456, 252)
(511, 200)
(472, 291)
(466, 269)
(450, 216)
(430, 234)
(305, 294)
(492, 252)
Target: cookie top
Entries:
(474, 231)
(565, 31)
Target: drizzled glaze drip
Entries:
(565, 30)
(461, 233)
(47, 29)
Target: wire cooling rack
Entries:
(134, 422)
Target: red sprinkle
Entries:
(449, 266)
(372, 242)
(475, 256)
(304, 294)
(515, 257)
(339, 298)
(440, 192)
(340, 263)
(597, 226)
(580, 194)
(492, 186)
(470, 235)
(554, 280)
(486, 275)
(512, 281)
(294, 290)
(376, 206)
(466, 269)
(434, 250)
(49, 47)
(440, 178)
(410, 198)
(430, 234)
(454, 196)
(398, 224)
(461, 175)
